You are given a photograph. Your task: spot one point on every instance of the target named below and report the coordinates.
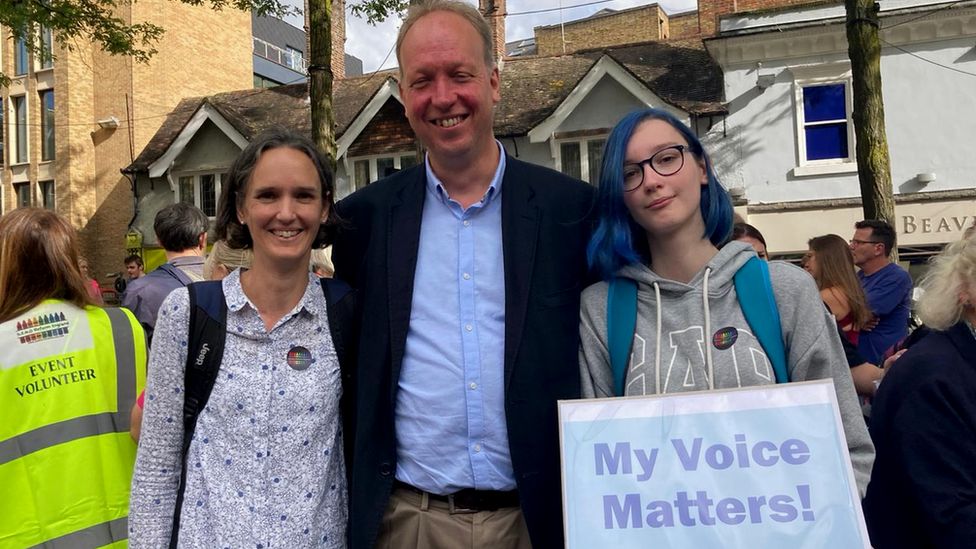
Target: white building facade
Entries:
(788, 142)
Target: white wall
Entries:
(930, 120)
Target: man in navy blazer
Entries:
(469, 269)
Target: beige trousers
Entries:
(414, 521)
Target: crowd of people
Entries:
(240, 400)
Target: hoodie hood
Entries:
(719, 272)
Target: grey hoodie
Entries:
(688, 341)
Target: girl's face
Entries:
(665, 205)
(283, 206)
(810, 262)
(756, 245)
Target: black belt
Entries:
(470, 500)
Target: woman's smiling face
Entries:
(283, 205)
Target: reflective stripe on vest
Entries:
(66, 475)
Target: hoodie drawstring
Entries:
(708, 331)
(657, 348)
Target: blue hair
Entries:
(618, 240)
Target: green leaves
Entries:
(98, 21)
(377, 11)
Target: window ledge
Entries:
(825, 169)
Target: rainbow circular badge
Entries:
(725, 338)
(299, 358)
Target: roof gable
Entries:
(604, 67)
(387, 89)
(205, 112)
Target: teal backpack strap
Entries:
(755, 291)
(621, 321)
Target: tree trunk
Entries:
(320, 77)
(873, 165)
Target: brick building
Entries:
(73, 123)
(604, 28)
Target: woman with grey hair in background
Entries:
(923, 486)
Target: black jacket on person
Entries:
(545, 227)
(923, 487)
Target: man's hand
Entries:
(871, 324)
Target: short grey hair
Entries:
(949, 273)
(467, 11)
(178, 226)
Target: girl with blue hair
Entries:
(663, 217)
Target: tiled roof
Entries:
(679, 72)
(254, 111)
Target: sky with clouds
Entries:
(374, 45)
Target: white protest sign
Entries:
(753, 467)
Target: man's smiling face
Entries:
(447, 88)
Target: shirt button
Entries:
(468, 327)
(477, 448)
(473, 386)
(467, 223)
(467, 276)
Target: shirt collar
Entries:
(313, 300)
(436, 187)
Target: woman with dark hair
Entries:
(750, 235)
(663, 215)
(923, 487)
(265, 464)
(831, 263)
(70, 372)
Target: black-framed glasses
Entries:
(665, 162)
(855, 242)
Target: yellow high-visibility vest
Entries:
(68, 380)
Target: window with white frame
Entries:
(21, 56)
(824, 129)
(47, 125)
(46, 55)
(47, 194)
(201, 189)
(19, 108)
(293, 58)
(582, 158)
(367, 169)
(23, 192)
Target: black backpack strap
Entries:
(342, 306)
(204, 351)
(175, 272)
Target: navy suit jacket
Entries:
(546, 223)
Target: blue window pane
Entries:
(827, 141)
(20, 57)
(824, 103)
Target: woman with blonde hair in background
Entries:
(69, 373)
(923, 487)
(223, 260)
(830, 262)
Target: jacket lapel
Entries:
(402, 244)
(520, 225)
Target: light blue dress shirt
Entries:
(450, 409)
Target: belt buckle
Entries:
(455, 510)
